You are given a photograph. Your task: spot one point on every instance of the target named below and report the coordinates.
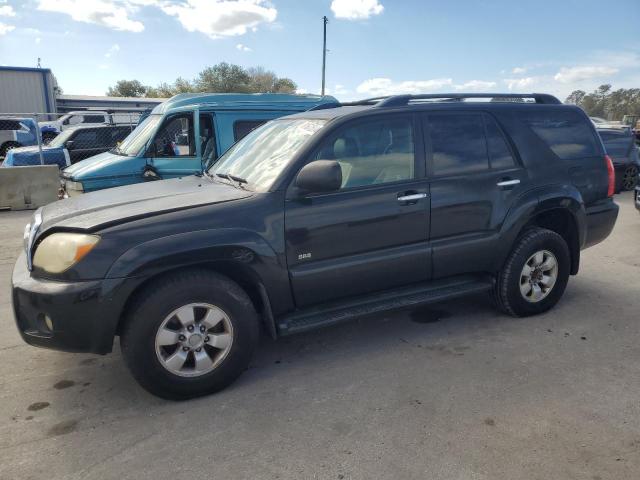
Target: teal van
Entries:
(182, 135)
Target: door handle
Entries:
(412, 197)
(508, 183)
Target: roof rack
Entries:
(402, 100)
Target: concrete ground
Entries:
(456, 391)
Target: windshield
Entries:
(137, 139)
(260, 156)
(59, 140)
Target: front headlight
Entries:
(77, 186)
(60, 251)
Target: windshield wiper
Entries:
(239, 180)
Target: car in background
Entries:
(620, 146)
(51, 129)
(70, 146)
(16, 132)
(182, 136)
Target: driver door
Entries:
(174, 151)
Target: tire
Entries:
(629, 178)
(161, 310)
(512, 281)
(8, 146)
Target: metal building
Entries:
(26, 90)
(68, 103)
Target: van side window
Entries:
(93, 119)
(175, 137)
(499, 153)
(567, 133)
(372, 152)
(242, 127)
(458, 143)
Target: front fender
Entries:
(244, 249)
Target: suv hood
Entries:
(92, 211)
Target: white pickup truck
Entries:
(50, 129)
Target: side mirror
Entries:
(68, 144)
(320, 176)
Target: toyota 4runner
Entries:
(316, 218)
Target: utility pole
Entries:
(325, 20)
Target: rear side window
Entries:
(242, 127)
(567, 133)
(499, 152)
(85, 139)
(458, 143)
(93, 119)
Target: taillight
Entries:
(612, 176)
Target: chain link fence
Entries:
(62, 139)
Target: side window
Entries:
(207, 138)
(175, 137)
(458, 143)
(75, 120)
(566, 132)
(242, 127)
(372, 152)
(499, 153)
(85, 139)
(93, 119)
(6, 124)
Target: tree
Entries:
(127, 88)
(607, 103)
(223, 78)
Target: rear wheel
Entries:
(535, 274)
(190, 334)
(630, 177)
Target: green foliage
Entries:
(607, 103)
(221, 78)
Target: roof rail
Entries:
(402, 100)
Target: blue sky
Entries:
(376, 46)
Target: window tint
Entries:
(499, 152)
(458, 143)
(9, 124)
(85, 139)
(242, 127)
(93, 119)
(567, 133)
(372, 152)
(175, 137)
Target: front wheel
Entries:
(535, 274)
(189, 334)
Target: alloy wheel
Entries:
(538, 276)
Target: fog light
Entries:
(48, 322)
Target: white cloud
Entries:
(111, 14)
(475, 86)
(115, 48)
(7, 11)
(519, 70)
(385, 86)
(221, 18)
(4, 28)
(587, 72)
(243, 48)
(356, 9)
(519, 83)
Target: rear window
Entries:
(241, 128)
(567, 133)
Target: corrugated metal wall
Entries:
(26, 90)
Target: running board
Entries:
(411, 296)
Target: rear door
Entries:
(475, 177)
(371, 234)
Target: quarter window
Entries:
(458, 143)
(567, 133)
(373, 152)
